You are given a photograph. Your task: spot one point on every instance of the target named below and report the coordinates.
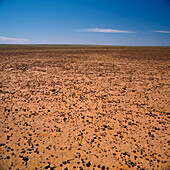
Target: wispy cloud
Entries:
(101, 30)
(43, 42)
(13, 40)
(164, 32)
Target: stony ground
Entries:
(84, 108)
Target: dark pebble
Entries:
(2, 144)
(125, 153)
(64, 162)
(53, 90)
(48, 166)
(103, 167)
(88, 164)
(25, 158)
(81, 168)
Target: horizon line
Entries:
(123, 45)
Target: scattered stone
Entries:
(88, 164)
(64, 162)
(25, 158)
(2, 144)
(48, 166)
(103, 167)
(59, 102)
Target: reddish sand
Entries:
(84, 108)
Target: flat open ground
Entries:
(84, 107)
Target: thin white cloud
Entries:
(13, 40)
(164, 32)
(101, 30)
(44, 42)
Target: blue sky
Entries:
(105, 22)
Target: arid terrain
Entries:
(84, 107)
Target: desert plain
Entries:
(84, 107)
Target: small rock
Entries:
(48, 166)
(88, 164)
(64, 162)
(2, 144)
(53, 90)
(92, 140)
(152, 135)
(103, 167)
(25, 158)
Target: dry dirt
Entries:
(84, 107)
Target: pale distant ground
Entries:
(84, 107)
